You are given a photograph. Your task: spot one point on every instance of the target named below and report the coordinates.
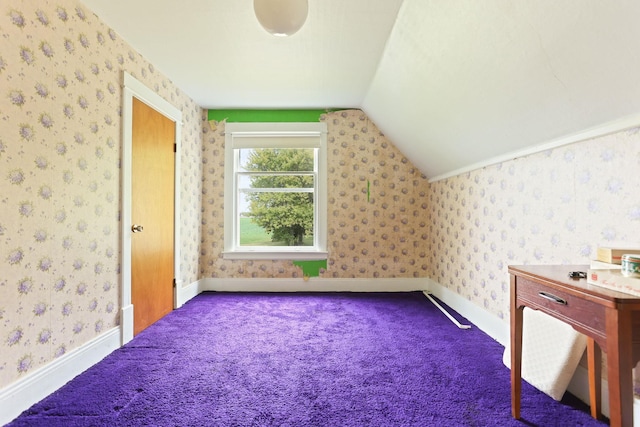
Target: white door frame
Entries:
(134, 88)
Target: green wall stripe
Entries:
(262, 116)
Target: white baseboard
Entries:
(313, 284)
(22, 394)
(491, 325)
(579, 387)
(126, 323)
(185, 293)
(177, 290)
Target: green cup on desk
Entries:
(630, 265)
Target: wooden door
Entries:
(152, 208)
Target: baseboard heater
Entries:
(455, 322)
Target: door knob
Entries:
(136, 228)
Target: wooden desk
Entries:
(610, 320)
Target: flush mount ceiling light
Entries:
(281, 17)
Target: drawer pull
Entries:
(553, 298)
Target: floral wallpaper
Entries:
(554, 207)
(383, 237)
(60, 153)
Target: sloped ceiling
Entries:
(452, 83)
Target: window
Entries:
(275, 191)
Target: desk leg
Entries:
(594, 360)
(516, 350)
(619, 365)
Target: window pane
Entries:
(276, 159)
(276, 219)
(243, 204)
(250, 180)
(278, 186)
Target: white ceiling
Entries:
(217, 52)
(451, 83)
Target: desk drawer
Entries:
(579, 313)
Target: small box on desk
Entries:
(614, 280)
(599, 265)
(614, 255)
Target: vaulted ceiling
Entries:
(452, 83)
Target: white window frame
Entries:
(274, 135)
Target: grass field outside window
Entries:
(252, 234)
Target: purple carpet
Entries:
(326, 359)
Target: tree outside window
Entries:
(280, 195)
